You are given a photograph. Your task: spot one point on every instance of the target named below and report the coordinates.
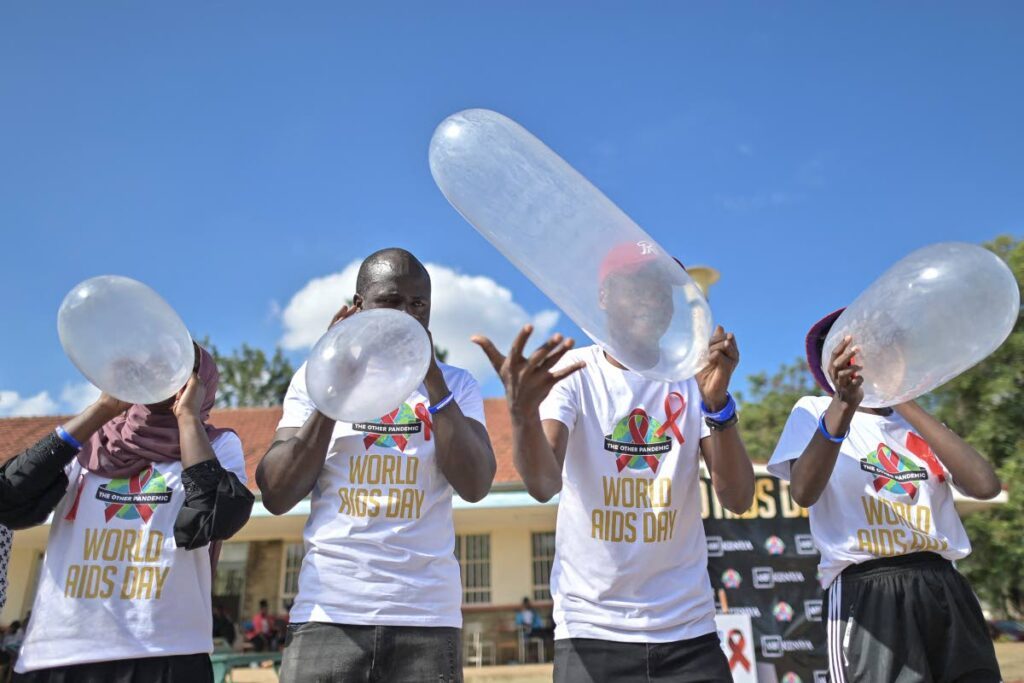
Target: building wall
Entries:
(263, 576)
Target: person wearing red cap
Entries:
(632, 597)
(879, 483)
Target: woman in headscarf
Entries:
(138, 495)
(879, 486)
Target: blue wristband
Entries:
(441, 404)
(722, 415)
(67, 438)
(825, 433)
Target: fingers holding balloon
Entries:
(343, 312)
(189, 401)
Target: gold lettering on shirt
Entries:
(369, 473)
(895, 528)
(619, 521)
(118, 563)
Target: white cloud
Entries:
(74, 398)
(13, 404)
(77, 397)
(461, 306)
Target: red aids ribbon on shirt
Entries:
(737, 642)
(423, 413)
(672, 416)
(639, 423)
(73, 512)
(136, 483)
(920, 448)
(890, 462)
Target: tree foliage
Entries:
(249, 378)
(771, 398)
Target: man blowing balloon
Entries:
(379, 589)
(632, 597)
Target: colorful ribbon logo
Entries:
(136, 483)
(638, 423)
(671, 416)
(920, 448)
(890, 462)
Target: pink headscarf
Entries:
(134, 440)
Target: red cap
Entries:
(629, 257)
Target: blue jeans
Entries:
(338, 653)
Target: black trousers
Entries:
(178, 669)
(339, 653)
(907, 619)
(585, 660)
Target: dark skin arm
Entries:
(811, 471)
(463, 448)
(971, 472)
(732, 474)
(538, 446)
(195, 444)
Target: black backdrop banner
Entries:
(767, 565)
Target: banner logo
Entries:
(782, 611)
(718, 547)
(812, 610)
(805, 544)
(771, 646)
(774, 545)
(790, 677)
(766, 577)
(731, 578)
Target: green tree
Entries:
(771, 398)
(248, 378)
(986, 407)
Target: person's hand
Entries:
(188, 403)
(110, 407)
(343, 312)
(528, 380)
(845, 373)
(713, 379)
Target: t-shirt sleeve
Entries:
(297, 406)
(468, 396)
(800, 427)
(228, 449)
(563, 402)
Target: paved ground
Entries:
(1011, 660)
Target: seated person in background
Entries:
(223, 627)
(527, 618)
(262, 635)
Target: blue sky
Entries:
(229, 153)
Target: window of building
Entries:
(293, 554)
(474, 555)
(543, 553)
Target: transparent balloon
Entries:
(367, 365)
(596, 264)
(125, 339)
(934, 314)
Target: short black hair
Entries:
(389, 261)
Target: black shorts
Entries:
(907, 619)
(585, 660)
(176, 669)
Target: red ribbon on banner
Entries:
(891, 464)
(135, 485)
(737, 642)
(920, 448)
(672, 416)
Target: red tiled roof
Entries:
(256, 426)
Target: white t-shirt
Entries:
(114, 585)
(888, 494)
(630, 555)
(380, 540)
